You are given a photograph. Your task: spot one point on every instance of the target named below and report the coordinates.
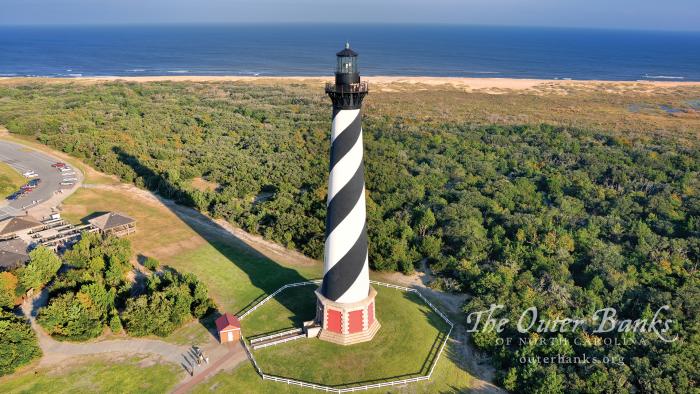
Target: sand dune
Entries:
(399, 83)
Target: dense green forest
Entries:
(566, 219)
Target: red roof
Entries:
(226, 322)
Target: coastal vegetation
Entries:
(565, 215)
(18, 342)
(97, 293)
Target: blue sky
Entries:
(625, 14)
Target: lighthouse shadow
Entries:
(264, 273)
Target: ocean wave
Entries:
(75, 75)
(8, 75)
(178, 71)
(135, 70)
(647, 76)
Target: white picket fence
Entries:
(271, 296)
(279, 341)
(347, 389)
(276, 335)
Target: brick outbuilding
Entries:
(229, 328)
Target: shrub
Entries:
(172, 300)
(72, 316)
(42, 267)
(151, 263)
(8, 288)
(115, 323)
(18, 343)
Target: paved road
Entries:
(24, 159)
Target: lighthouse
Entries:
(346, 301)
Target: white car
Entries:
(70, 179)
(67, 183)
(68, 173)
(65, 169)
(29, 173)
(32, 175)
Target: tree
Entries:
(18, 343)
(42, 267)
(115, 323)
(72, 316)
(8, 288)
(425, 219)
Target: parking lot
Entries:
(24, 159)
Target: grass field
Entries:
(402, 348)
(96, 375)
(10, 180)
(447, 378)
(407, 342)
(288, 309)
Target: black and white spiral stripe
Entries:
(346, 272)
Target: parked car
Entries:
(65, 169)
(34, 182)
(58, 165)
(70, 179)
(67, 183)
(30, 174)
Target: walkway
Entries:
(55, 352)
(233, 355)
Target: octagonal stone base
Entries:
(346, 324)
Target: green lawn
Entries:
(404, 346)
(409, 332)
(10, 180)
(237, 277)
(97, 375)
(288, 309)
(447, 378)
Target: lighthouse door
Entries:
(230, 336)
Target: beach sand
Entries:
(389, 83)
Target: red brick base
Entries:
(346, 324)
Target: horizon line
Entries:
(315, 23)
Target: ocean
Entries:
(309, 50)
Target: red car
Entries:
(58, 165)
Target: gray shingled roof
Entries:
(14, 224)
(13, 254)
(110, 220)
